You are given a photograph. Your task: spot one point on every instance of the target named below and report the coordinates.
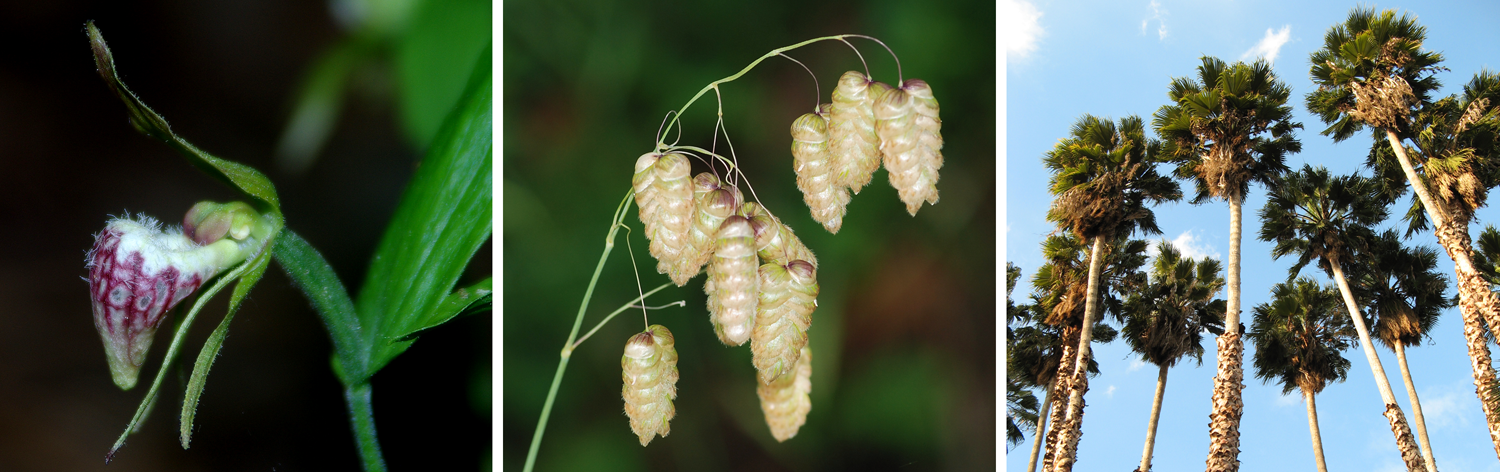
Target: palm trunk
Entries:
(1061, 385)
(1312, 425)
(1404, 441)
(1041, 427)
(1072, 427)
(1161, 387)
(1224, 420)
(1476, 301)
(1416, 408)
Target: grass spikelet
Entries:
(895, 122)
(673, 213)
(734, 284)
(786, 401)
(930, 126)
(851, 132)
(645, 192)
(649, 371)
(788, 297)
(813, 162)
(774, 241)
(713, 202)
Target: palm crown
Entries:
(1318, 216)
(1371, 70)
(1216, 127)
(1104, 176)
(1299, 337)
(1166, 319)
(1402, 291)
(1062, 283)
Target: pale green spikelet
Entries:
(774, 241)
(851, 132)
(786, 401)
(734, 282)
(713, 202)
(788, 296)
(673, 200)
(931, 127)
(900, 147)
(813, 162)
(649, 372)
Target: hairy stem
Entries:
(362, 418)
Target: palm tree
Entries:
(1228, 128)
(1403, 294)
(1021, 410)
(1327, 220)
(1372, 71)
(1299, 338)
(1044, 352)
(1103, 177)
(1165, 320)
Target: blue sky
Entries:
(1114, 59)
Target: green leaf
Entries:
(443, 218)
(312, 274)
(433, 59)
(245, 178)
(210, 351)
(319, 100)
(472, 299)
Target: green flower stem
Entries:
(567, 352)
(362, 417)
(715, 84)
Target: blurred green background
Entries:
(228, 76)
(904, 334)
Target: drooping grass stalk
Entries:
(774, 52)
(567, 352)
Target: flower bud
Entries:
(137, 273)
(207, 221)
(649, 372)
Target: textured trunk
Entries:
(1312, 426)
(1404, 441)
(1224, 419)
(1062, 384)
(1161, 387)
(1416, 408)
(1041, 427)
(1072, 427)
(1476, 301)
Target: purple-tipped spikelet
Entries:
(788, 296)
(671, 213)
(137, 273)
(713, 202)
(734, 283)
(649, 372)
(774, 241)
(824, 194)
(907, 160)
(851, 132)
(786, 401)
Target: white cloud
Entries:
(1289, 399)
(1111, 392)
(1135, 365)
(1019, 27)
(1444, 407)
(1191, 245)
(1269, 46)
(1159, 14)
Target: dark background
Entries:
(224, 75)
(904, 336)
